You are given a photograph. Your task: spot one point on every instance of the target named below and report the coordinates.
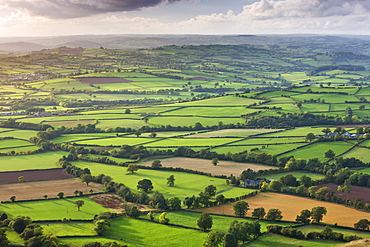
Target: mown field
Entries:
(291, 206)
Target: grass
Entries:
(69, 228)
(220, 223)
(273, 240)
(317, 228)
(317, 150)
(21, 134)
(359, 153)
(144, 233)
(296, 174)
(173, 142)
(185, 185)
(31, 161)
(190, 121)
(365, 171)
(13, 237)
(54, 209)
(231, 133)
(13, 143)
(78, 241)
(118, 141)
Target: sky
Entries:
(75, 17)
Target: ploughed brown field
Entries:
(222, 168)
(101, 80)
(51, 188)
(356, 191)
(291, 206)
(37, 175)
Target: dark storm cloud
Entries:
(59, 9)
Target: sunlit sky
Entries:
(72, 17)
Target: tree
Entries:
(220, 199)
(214, 239)
(310, 137)
(162, 218)
(145, 185)
(31, 230)
(211, 190)
(127, 111)
(174, 203)
(171, 181)
(349, 111)
(86, 178)
(156, 164)
(317, 213)
(132, 168)
(289, 180)
(306, 181)
(153, 135)
(241, 208)
(205, 221)
(19, 223)
(304, 217)
(138, 133)
(215, 161)
(229, 240)
(47, 240)
(133, 212)
(259, 213)
(60, 195)
(275, 185)
(20, 179)
(101, 226)
(362, 224)
(79, 204)
(274, 214)
(329, 154)
(4, 242)
(12, 198)
(326, 131)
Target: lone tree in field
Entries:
(145, 185)
(162, 218)
(79, 204)
(310, 137)
(156, 164)
(127, 111)
(60, 195)
(20, 179)
(215, 161)
(362, 224)
(317, 213)
(132, 168)
(241, 208)
(205, 221)
(171, 181)
(12, 198)
(86, 178)
(329, 154)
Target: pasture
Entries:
(296, 174)
(143, 233)
(69, 228)
(31, 161)
(272, 240)
(186, 184)
(318, 228)
(220, 223)
(291, 206)
(53, 209)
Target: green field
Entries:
(272, 240)
(319, 149)
(69, 228)
(53, 209)
(220, 223)
(144, 233)
(185, 185)
(317, 228)
(32, 161)
(296, 174)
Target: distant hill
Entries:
(25, 44)
(21, 47)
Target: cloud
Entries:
(61, 9)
